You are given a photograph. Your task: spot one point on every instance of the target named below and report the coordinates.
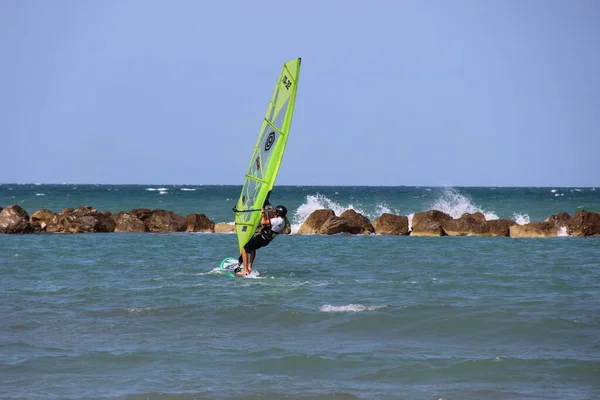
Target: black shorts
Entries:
(256, 243)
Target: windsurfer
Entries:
(271, 227)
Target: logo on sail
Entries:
(270, 141)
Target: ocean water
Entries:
(147, 316)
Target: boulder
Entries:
(584, 223)
(127, 222)
(334, 225)
(199, 223)
(80, 220)
(499, 227)
(559, 220)
(315, 221)
(466, 225)
(429, 223)
(224, 228)
(40, 219)
(14, 219)
(390, 224)
(142, 213)
(165, 221)
(85, 210)
(358, 224)
(534, 230)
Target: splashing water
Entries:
(455, 204)
(319, 202)
(521, 219)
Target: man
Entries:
(271, 227)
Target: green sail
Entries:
(267, 154)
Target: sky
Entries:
(392, 93)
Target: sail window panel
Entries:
(273, 105)
(268, 144)
(280, 116)
(250, 193)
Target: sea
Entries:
(141, 316)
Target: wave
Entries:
(319, 201)
(349, 308)
(455, 204)
(449, 200)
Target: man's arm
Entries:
(264, 219)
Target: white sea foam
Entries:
(162, 189)
(562, 232)
(553, 191)
(319, 202)
(521, 219)
(348, 308)
(137, 310)
(313, 203)
(254, 274)
(453, 203)
(40, 194)
(410, 218)
(188, 189)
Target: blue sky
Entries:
(427, 93)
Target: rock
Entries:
(315, 221)
(40, 219)
(357, 223)
(534, 230)
(584, 223)
(429, 223)
(334, 225)
(106, 223)
(390, 224)
(165, 221)
(559, 220)
(14, 219)
(499, 227)
(199, 223)
(466, 225)
(142, 213)
(224, 228)
(86, 210)
(127, 222)
(80, 220)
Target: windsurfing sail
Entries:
(267, 154)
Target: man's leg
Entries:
(252, 257)
(245, 270)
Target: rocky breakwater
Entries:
(15, 220)
(437, 223)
